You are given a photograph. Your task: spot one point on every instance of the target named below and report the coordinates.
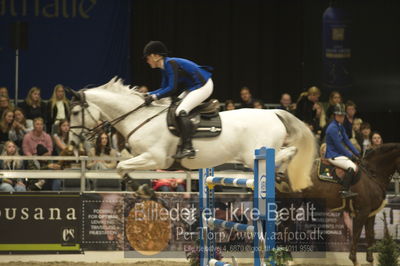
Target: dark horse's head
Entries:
(384, 160)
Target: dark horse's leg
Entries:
(358, 223)
(370, 235)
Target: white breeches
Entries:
(194, 98)
(343, 162)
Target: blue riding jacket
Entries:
(337, 140)
(179, 75)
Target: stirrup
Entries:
(189, 153)
(347, 194)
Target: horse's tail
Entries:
(301, 137)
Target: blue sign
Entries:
(336, 49)
(72, 42)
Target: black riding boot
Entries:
(346, 192)
(186, 149)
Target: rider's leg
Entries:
(351, 168)
(192, 100)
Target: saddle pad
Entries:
(326, 173)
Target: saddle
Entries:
(329, 173)
(206, 122)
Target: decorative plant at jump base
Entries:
(280, 256)
(389, 250)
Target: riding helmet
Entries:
(339, 109)
(155, 47)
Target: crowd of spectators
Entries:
(317, 115)
(38, 127)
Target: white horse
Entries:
(243, 131)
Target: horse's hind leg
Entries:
(370, 235)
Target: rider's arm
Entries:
(334, 133)
(349, 144)
(170, 81)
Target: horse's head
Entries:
(385, 159)
(84, 117)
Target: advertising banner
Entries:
(40, 222)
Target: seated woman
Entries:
(8, 185)
(20, 127)
(33, 105)
(5, 125)
(102, 148)
(61, 136)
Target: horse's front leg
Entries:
(370, 235)
(358, 224)
(144, 161)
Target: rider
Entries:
(182, 78)
(337, 149)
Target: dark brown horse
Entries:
(375, 171)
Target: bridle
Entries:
(104, 126)
(80, 100)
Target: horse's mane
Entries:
(384, 148)
(116, 85)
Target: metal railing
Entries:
(83, 173)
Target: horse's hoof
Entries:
(353, 258)
(370, 257)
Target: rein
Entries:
(371, 175)
(106, 125)
(143, 123)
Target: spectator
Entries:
(334, 98)
(364, 138)
(143, 89)
(229, 105)
(119, 144)
(246, 99)
(258, 104)
(8, 185)
(58, 108)
(169, 185)
(376, 141)
(319, 123)
(102, 148)
(286, 103)
(351, 110)
(61, 136)
(35, 137)
(356, 133)
(33, 105)
(6, 123)
(305, 106)
(5, 104)
(20, 127)
(41, 184)
(4, 91)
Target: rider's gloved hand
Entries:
(148, 99)
(356, 158)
